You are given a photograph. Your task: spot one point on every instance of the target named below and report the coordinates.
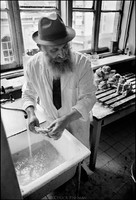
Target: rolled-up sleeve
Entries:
(29, 95)
(86, 92)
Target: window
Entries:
(7, 46)
(19, 19)
(7, 50)
(96, 24)
(111, 12)
(30, 15)
(82, 22)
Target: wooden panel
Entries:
(131, 79)
(130, 99)
(102, 91)
(117, 98)
(108, 97)
(106, 93)
(127, 74)
(130, 75)
(113, 100)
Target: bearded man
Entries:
(57, 73)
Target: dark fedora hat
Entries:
(52, 31)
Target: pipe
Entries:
(16, 109)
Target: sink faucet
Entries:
(16, 109)
(11, 99)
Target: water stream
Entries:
(35, 160)
(29, 140)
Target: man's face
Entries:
(59, 58)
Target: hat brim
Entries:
(70, 35)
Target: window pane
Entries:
(29, 21)
(82, 23)
(111, 5)
(6, 60)
(5, 36)
(3, 4)
(82, 4)
(108, 29)
(9, 45)
(5, 53)
(37, 3)
(11, 53)
(4, 45)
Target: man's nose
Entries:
(61, 54)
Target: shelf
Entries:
(113, 60)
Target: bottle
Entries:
(129, 52)
(127, 49)
(95, 58)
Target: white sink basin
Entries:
(65, 153)
(69, 150)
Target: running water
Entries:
(35, 160)
(29, 140)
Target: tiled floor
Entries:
(112, 177)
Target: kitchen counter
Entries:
(14, 121)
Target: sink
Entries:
(45, 164)
(55, 161)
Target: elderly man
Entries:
(63, 81)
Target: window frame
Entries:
(96, 9)
(66, 10)
(13, 11)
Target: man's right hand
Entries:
(32, 119)
(33, 122)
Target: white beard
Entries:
(60, 66)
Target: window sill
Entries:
(12, 81)
(112, 60)
(12, 74)
(11, 86)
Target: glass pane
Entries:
(82, 4)
(108, 29)
(111, 5)
(82, 23)
(4, 45)
(10, 53)
(29, 21)
(5, 53)
(5, 35)
(3, 4)
(37, 3)
(6, 60)
(9, 45)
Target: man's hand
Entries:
(33, 122)
(57, 127)
(32, 119)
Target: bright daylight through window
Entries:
(7, 47)
(103, 16)
(96, 23)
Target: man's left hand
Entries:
(57, 127)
